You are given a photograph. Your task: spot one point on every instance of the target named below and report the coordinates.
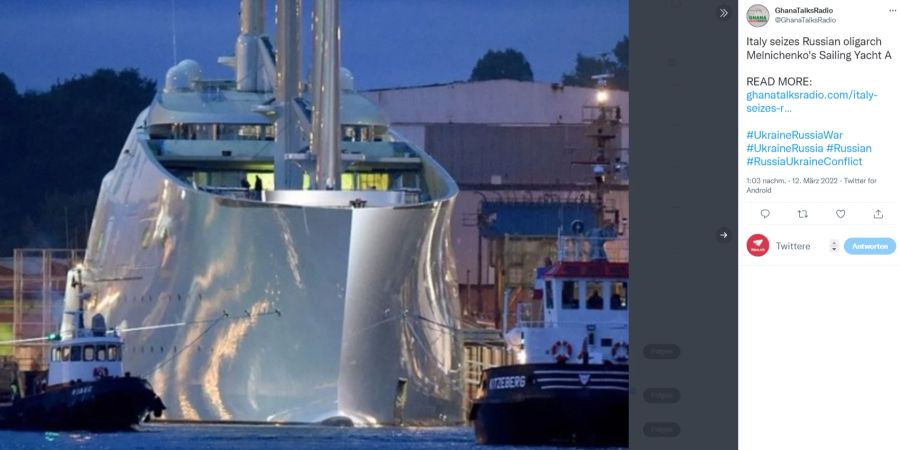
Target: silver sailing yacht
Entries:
(279, 253)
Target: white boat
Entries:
(570, 382)
(219, 205)
(86, 387)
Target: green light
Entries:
(53, 337)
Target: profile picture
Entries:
(757, 15)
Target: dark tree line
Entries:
(55, 148)
(513, 65)
(613, 63)
(509, 64)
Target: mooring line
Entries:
(225, 316)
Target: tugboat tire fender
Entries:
(100, 372)
(158, 407)
(620, 352)
(561, 351)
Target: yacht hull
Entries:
(401, 318)
(256, 311)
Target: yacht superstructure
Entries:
(263, 194)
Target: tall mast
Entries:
(246, 50)
(288, 84)
(73, 303)
(325, 141)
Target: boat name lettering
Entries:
(514, 382)
(82, 390)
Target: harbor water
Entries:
(247, 437)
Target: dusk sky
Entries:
(385, 42)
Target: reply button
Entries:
(870, 246)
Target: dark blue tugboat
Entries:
(570, 385)
(86, 388)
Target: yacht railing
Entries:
(408, 196)
(233, 192)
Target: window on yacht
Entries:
(88, 352)
(348, 181)
(373, 181)
(201, 178)
(66, 352)
(410, 180)
(101, 353)
(242, 132)
(348, 134)
(113, 353)
(570, 295)
(162, 131)
(202, 131)
(548, 294)
(209, 131)
(228, 132)
(56, 355)
(357, 133)
(76, 353)
(595, 295)
(380, 134)
(619, 298)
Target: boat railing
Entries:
(410, 195)
(581, 325)
(407, 196)
(529, 315)
(233, 192)
(231, 149)
(580, 248)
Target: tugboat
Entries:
(570, 385)
(86, 387)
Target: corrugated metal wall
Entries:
(479, 154)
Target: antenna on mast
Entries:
(174, 40)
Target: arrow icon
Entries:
(723, 12)
(723, 235)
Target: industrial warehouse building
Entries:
(523, 154)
